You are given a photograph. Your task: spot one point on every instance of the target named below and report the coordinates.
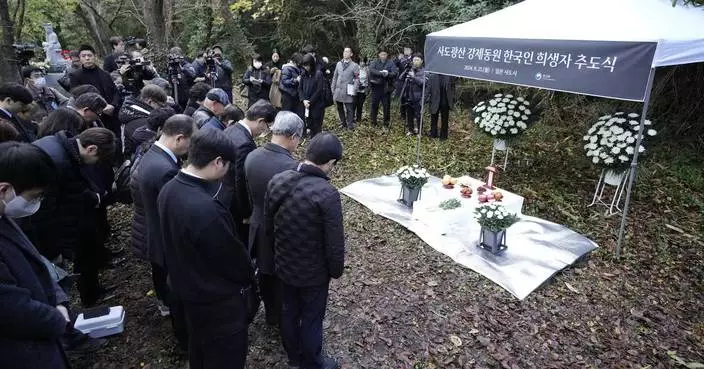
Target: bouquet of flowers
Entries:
(503, 117)
(611, 141)
(413, 176)
(495, 217)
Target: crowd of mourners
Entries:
(222, 222)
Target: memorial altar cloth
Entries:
(537, 249)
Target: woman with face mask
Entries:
(46, 98)
(34, 314)
(258, 80)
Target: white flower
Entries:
(500, 216)
(498, 95)
(634, 123)
(652, 132)
(492, 103)
(629, 150)
(509, 96)
(595, 160)
(609, 160)
(593, 138)
(490, 214)
(483, 210)
(623, 158)
(514, 131)
(647, 122)
(633, 115)
(505, 100)
(615, 150)
(512, 106)
(641, 149)
(521, 99)
(527, 112)
(524, 117)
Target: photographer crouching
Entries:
(412, 80)
(134, 70)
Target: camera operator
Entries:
(412, 93)
(180, 74)
(210, 67)
(46, 98)
(118, 50)
(135, 69)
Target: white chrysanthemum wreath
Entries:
(504, 116)
(611, 141)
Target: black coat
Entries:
(191, 107)
(30, 324)
(67, 214)
(236, 179)
(261, 165)
(311, 89)
(139, 222)
(256, 92)
(377, 79)
(435, 86)
(304, 215)
(205, 259)
(101, 80)
(133, 114)
(155, 169)
(27, 130)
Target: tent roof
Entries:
(678, 30)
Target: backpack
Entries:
(123, 175)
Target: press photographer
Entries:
(213, 69)
(135, 69)
(181, 75)
(412, 93)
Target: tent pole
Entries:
(420, 128)
(634, 162)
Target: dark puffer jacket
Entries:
(139, 220)
(67, 215)
(304, 215)
(133, 114)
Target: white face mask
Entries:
(39, 82)
(19, 207)
(257, 65)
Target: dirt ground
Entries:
(401, 304)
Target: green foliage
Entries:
(450, 204)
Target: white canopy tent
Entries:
(607, 48)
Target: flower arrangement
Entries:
(503, 117)
(611, 141)
(495, 217)
(413, 176)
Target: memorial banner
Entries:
(617, 70)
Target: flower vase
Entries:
(613, 177)
(499, 145)
(493, 241)
(409, 195)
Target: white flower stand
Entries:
(611, 178)
(500, 145)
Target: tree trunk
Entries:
(9, 70)
(19, 19)
(96, 28)
(156, 26)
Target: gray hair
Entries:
(287, 124)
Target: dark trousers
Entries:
(87, 263)
(411, 114)
(270, 290)
(444, 113)
(380, 96)
(289, 103)
(345, 111)
(302, 324)
(163, 293)
(161, 288)
(242, 231)
(217, 334)
(314, 122)
(359, 104)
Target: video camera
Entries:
(132, 41)
(133, 77)
(24, 52)
(135, 64)
(211, 64)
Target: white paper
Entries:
(351, 90)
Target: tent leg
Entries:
(420, 125)
(634, 162)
